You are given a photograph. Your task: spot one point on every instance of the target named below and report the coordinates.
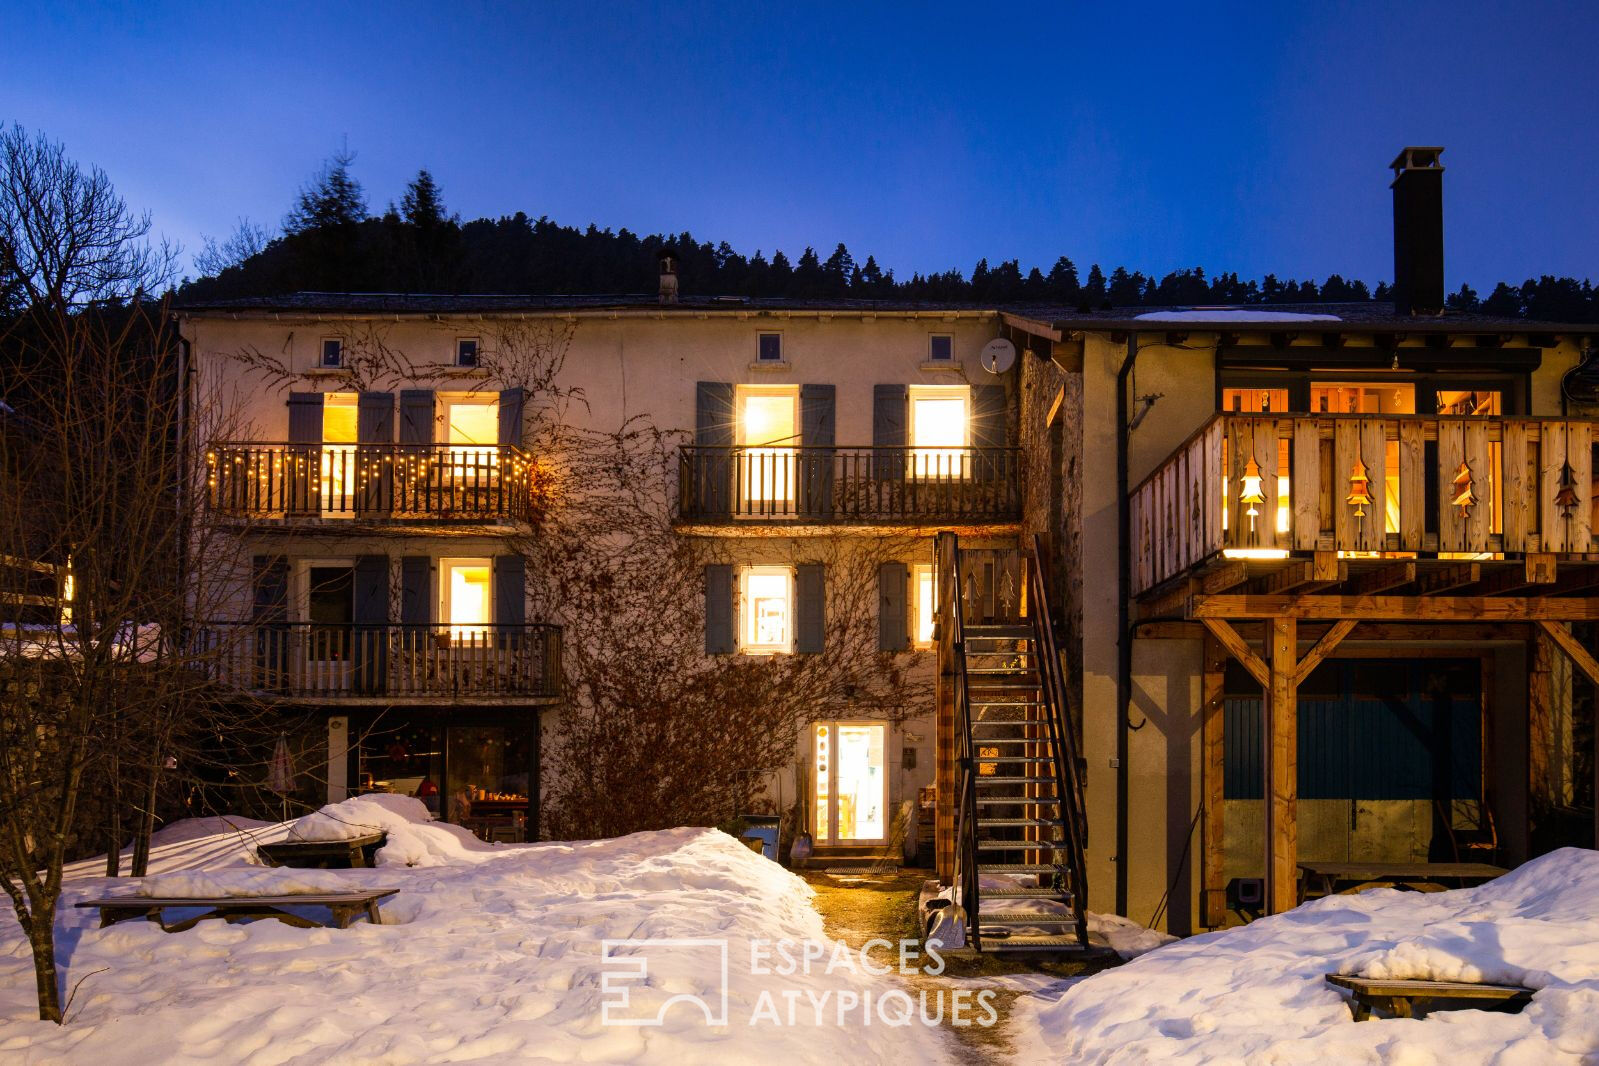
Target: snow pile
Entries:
(1257, 994)
(413, 840)
(485, 957)
(244, 881)
(1124, 936)
(1225, 315)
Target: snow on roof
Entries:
(1225, 315)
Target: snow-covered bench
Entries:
(346, 906)
(352, 853)
(1396, 997)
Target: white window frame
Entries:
(322, 353)
(300, 581)
(931, 462)
(445, 624)
(782, 354)
(747, 644)
(917, 595)
(781, 461)
(477, 352)
(932, 357)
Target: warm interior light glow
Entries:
(939, 431)
(1255, 553)
(926, 603)
(474, 423)
(467, 599)
(768, 418)
(339, 422)
(767, 596)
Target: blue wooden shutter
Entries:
(709, 484)
(302, 463)
(270, 576)
(369, 638)
(511, 404)
(416, 416)
(510, 590)
(416, 598)
(810, 634)
(817, 405)
(374, 466)
(893, 631)
(889, 409)
(719, 610)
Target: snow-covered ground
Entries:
(490, 953)
(1256, 994)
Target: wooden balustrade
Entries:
(370, 481)
(1366, 484)
(302, 659)
(800, 484)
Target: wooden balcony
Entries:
(841, 486)
(442, 483)
(1366, 486)
(302, 660)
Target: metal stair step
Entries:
(1010, 740)
(1030, 943)
(1021, 892)
(998, 630)
(1012, 868)
(1021, 845)
(994, 780)
(1034, 759)
(1042, 801)
(1010, 823)
(1023, 918)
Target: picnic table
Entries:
(1325, 878)
(354, 853)
(1397, 997)
(346, 906)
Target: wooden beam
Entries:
(1573, 579)
(1323, 647)
(1384, 632)
(1540, 568)
(1308, 576)
(1171, 602)
(1228, 575)
(1282, 771)
(1213, 888)
(1371, 582)
(1580, 657)
(1397, 608)
(1434, 582)
(1228, 638)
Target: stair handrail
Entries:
(1063, 736)
(952, 648)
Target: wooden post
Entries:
(1584, 661)
(1282, 771)
(1213, 886)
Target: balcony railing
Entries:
(377, 482)
(1366, 485)
(890, 485)
(303, 659)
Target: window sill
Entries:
(771, 364)
(942, 364)
(765, 652)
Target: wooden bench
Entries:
(1324, 878)
(1396, 997)
(356, 853)
(346, 906)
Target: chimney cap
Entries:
(1417, 158)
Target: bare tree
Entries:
(247, 240)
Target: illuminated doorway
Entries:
(851, 776)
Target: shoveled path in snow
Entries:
(859, 908)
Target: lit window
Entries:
(940, 348)
(940, 418)
(766, 600)
(339, 434)
(473, 422)
(770, 349)
(924, 590)
(767, 432)
(467, 607)
(332, 352)
(466, 351)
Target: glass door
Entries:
(851, 775)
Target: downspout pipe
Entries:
(1124, 636)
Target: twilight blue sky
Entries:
(1252, 139)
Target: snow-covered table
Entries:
(1324, 878)
(345, 907)
(1396, 997)
(353, 853)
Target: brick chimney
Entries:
(1418, 232)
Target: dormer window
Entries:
(332, 353)
(466, 352)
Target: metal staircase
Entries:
(1018, 863)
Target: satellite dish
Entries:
(998, 356)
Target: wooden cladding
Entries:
(371, 481)
(299, 659)
(1367, 484)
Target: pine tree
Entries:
(1063, 283)
(423, 202)
(1465, 301)
(333, 199)
(1094, 288)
